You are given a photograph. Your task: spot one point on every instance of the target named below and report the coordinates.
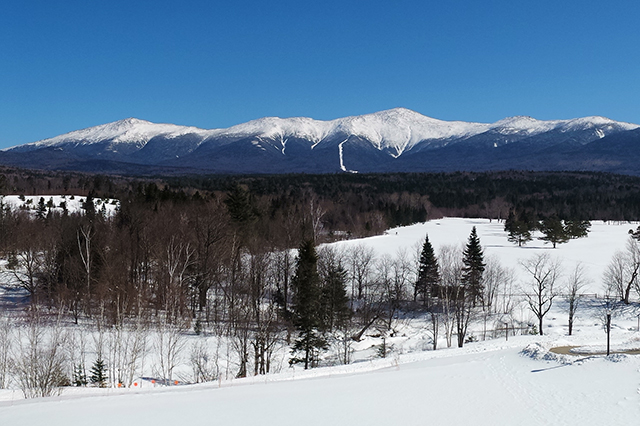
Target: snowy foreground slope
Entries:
(484, 384)
(495, 382)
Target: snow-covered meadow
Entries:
(593, 252)
(54, 203)
(491, 382)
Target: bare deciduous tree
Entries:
(457, 298)
(451, 274)
(316, 213)
(204, 365)
(576, 282)
(507, 301)
(168, 344)
(543, 271)
(493, 280)
(622, 273)
(360, 265)
(85, 234)
(127, 345)
(39, 359)
(177, 259)
(5, 351)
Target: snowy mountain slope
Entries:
(128, 131)
(401, 129)
(371, 142)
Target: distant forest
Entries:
(335, 206)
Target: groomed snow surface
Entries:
(494, 382)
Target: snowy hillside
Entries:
(497, 381)
(491, 384)
(130, 131)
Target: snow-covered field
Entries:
(74, 203)
(593, 252)
(493, 382)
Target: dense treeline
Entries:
(365, 204)
(569, 195)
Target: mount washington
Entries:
(396, 140)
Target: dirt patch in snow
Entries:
(575, 350)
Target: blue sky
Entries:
(74, 64)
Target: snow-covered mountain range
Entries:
(394, 140)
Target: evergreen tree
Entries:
(519, 229)
(577, 228)
(89, 207)
(79, 375)
(428, 273)
(306, 307)
(41, 211)
(553, 231)
(240, 206)
(335, 302)
(99, 373)
(473, 267)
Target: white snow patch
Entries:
(74, 203)
(340, 152)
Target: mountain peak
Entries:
(126, 131)
(366, 142)
(131, 121)
(517, 121)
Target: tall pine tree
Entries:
(518, 228)
(240, 205)
(428, 280)
(99, 373)
(473, 267)
(306, 307)
(553, 231)
(335, 302)
(577, 228)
